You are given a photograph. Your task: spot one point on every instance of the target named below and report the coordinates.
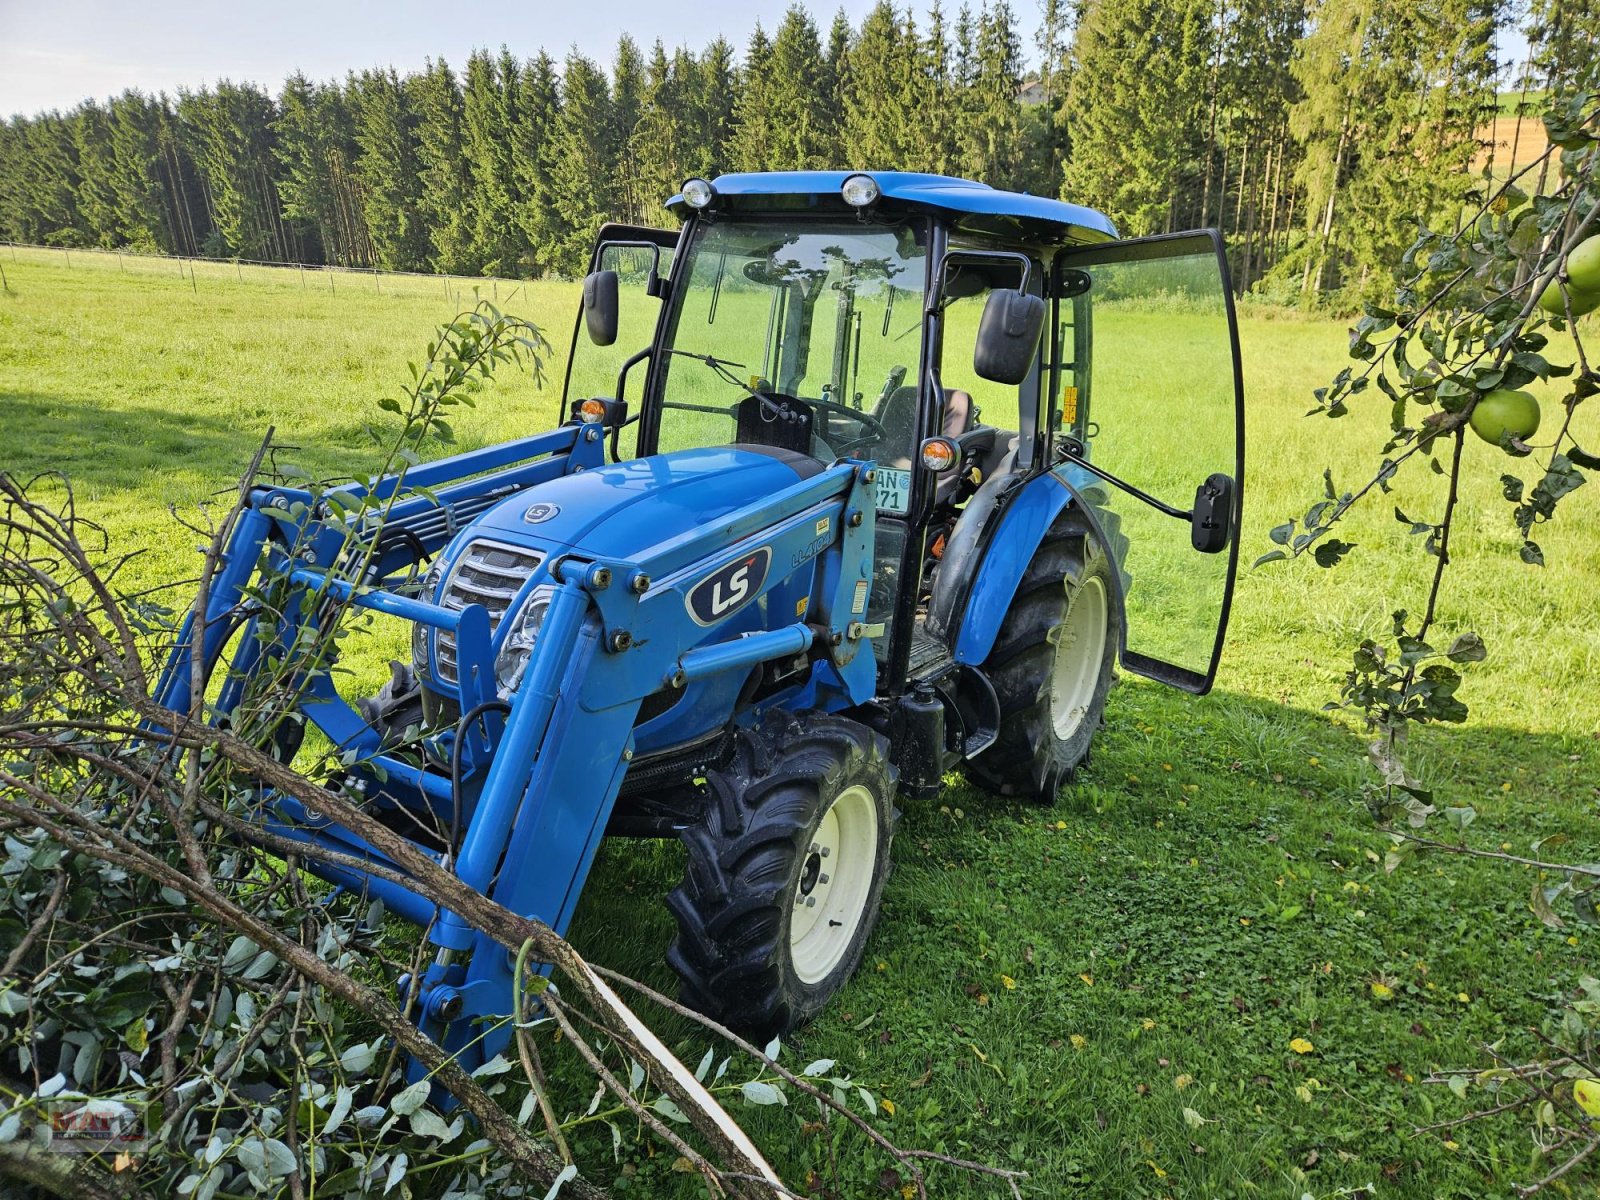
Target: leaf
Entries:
(341, 1109)
(1330, 552)
(758, 1091)
(427, 1123)
(240, 952)
(397, 1172)
(498, 1065)
(1467, 648)
(1193, 1119)
(568, 1174)
(1583, 459)
(665, 1106)
(867, 1099)
(1269, 556)
(1539, 902)
(280, 1160)
(821, 1067)
(1282, 533)
(1301, 1046)
(1531, 554)
(408, 1101)
(705, 1065)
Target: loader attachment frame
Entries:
(546, 763)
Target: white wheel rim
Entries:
(836, 874)
(1080, 649)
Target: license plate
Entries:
(894, 489)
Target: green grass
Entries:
(1213, 873)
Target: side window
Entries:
(969, 399)
(593, 369)
(1067, 371)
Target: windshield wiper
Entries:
(723, 369)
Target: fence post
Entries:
(4, 282)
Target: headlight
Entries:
(697, 193)
(419, 632)
(859, 190)
(512, 660)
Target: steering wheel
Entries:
(871, 424)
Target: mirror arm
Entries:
(1074, 453)
(622, 373)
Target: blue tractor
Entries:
(867, 479)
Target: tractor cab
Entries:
(973, 345)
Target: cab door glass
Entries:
(1150, 324)
(593, 369)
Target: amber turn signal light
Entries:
(939, 454)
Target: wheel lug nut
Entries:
(811, 901)
(824, 852)
(822, 879)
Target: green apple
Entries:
(1583, 267)
(1554, 303)
(1504, 411)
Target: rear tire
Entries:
(785, 872)
(1051, 664)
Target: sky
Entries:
(53, 55)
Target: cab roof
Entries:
(972, 207)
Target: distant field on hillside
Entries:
(1043, 978)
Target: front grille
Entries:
(488, 574)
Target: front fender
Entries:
(1003, 556)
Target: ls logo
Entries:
(728, 589)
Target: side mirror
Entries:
(1212, 519)
(600, 306)
(1008, 336)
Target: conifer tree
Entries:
(577, 161)
(754, 118)
(880, 106)
(445, 199)
(716, 100)
(834, 84)
(1137, 104)
(489, 116)
(627, 109)
(538, 104)
(91, 141)
(142, 199)
(388, 170)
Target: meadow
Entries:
(1103, 992)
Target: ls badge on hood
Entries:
(539, 512)
(728, 589)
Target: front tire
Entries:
(785, 872)
(1051, 664)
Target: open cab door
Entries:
(1148, 413)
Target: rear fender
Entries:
(998, 556)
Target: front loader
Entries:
(913, 463)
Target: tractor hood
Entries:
(620, 509)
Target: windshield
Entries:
(828, 313)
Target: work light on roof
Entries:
(697, 193)
(859, 190)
